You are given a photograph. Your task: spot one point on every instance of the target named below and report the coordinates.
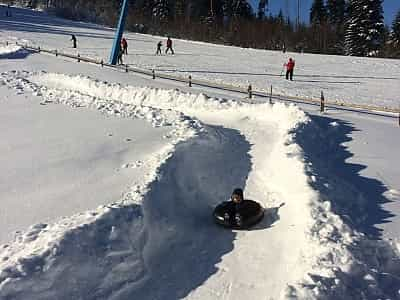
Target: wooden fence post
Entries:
(39, 49)
(250, 91)
(153, 74)
(102, 63)
(270, 96)
(322, 102)
(56, 53)
(6, 43)
(190, 81)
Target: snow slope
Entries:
(344, 79)
(157, 242)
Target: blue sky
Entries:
(390, 7)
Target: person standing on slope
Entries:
(159, 45)
(289, 69)
(124, 46)
(120, 53)
(169, 46)
(73, 39)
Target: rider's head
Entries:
(237, 195)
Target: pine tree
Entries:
(336, 18)
(236, 8)
(180, 8)
(161, 10)
(395, 33)
(227, 9)
(242, 8)
(336, 11)
(280, 18)
(365, 27)
(262, 4)
(318, 13)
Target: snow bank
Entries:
(78, 242)
(9, 49)
(6, 50)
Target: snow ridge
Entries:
(112, 233)
(8, 50)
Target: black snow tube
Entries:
(238, 216)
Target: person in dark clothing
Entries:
(169, 46)
(73, 39)
(289, 69)
(159, 45)
(233, 212)
(124, 46)
(120, 53)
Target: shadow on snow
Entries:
(20, 54)
(357, 199)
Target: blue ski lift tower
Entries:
(118, 34)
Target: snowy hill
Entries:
(117, 174)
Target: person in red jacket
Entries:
(289, 69)
(169, 46)
(124, 46)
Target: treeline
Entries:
(345, 27)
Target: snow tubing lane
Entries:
(248, 214)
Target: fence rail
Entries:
(226, 87)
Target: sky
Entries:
(390, 7)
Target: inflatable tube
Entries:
(238, 216)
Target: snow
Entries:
(121, 173)
(343, 79)
(74, 158)
(9, 50)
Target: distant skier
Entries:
(289, 69)
(120, 53)
(124, 46)
(73, 39)
(169, 46)
(159, 45)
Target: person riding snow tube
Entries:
(238, 213)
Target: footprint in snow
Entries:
(392, 194)
(134, 165)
